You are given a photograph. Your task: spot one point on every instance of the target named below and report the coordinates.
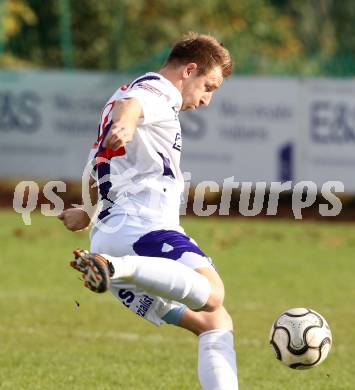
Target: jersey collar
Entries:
(174, 93)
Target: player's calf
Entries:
(200, 322)
(217, 367)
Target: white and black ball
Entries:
(301, 338)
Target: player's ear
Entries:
(189, 69)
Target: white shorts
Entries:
(122, 235)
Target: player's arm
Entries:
(125, 117)
(79, 218)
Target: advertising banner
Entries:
(248, 132)
(255, 129)
(326, 149)
(49, 121)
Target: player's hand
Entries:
(75, 219)
(119, 135)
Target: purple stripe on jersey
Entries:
(145, 78)
(165, 243)
(105, 132)
(103, 170)
(166, 165)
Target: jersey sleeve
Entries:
(153, 100)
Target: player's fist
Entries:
(75, 219)
(119, 135)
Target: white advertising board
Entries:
(255, 129)
(248, 131)
(326, 150)
(49, 121)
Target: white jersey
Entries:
(143, 178)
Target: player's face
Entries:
(198, 90)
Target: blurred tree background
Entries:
(283, 37)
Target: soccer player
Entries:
(138, 250)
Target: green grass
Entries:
(49, 342)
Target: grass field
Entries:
(54, 334)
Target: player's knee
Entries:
(216, 297)
(215, 300)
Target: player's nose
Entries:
(205, 100)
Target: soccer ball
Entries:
(300, 338)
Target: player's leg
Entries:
(171, 265)
(216, 358)
(200, 289)
(162, 262)
(183, 278)
(216, 297)
(217, 367)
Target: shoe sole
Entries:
(94, 270)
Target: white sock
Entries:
(163, 277)
(217, 366)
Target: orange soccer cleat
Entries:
(95, 268)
